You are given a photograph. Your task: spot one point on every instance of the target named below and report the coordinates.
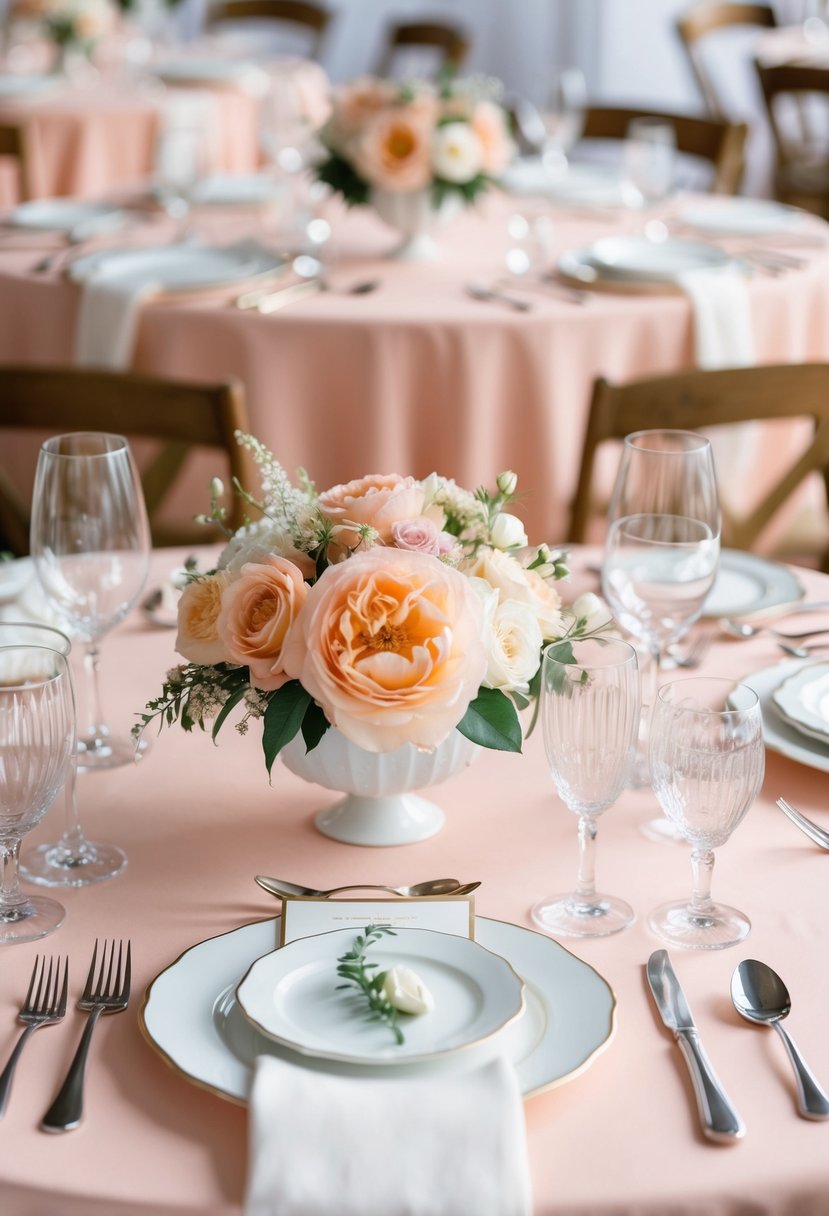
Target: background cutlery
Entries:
(478, 291)
(816, 834)
(719, 1119)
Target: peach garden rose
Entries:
(198, 613)
(378, 501)
(258, 609)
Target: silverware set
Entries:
(419, 890)
(789, 641)
(107, 990)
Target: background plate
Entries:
(779, 736)
(800, 698)
(746, 584)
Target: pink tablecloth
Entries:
(622, 1139)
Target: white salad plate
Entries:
(293, 996)
(202, 71)
(191, 1015)
(779, 735)
(234, 190)
(637, 257)
(26, 87)
(803, 700)
(175, 268)
(64, 214)
(746, 584)
(579, 185)
(741, 217)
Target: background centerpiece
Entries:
(383, 630)
(415, 151)
(72, 26)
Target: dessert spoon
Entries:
(740, 629)
(759, 995)
(436, 886)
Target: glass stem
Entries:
(97, 728)
(586, 884)
(10, 894)
(702, 864)
(73, 837)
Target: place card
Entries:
(304, 916)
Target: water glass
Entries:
(649, 161)
(563, 116)
(707, 760)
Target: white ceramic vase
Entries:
(415, 217)
(380, 807)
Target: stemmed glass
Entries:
(662, 549)
(563, 117)
(649, 161)
(590, 713)
(73, 861)
(90, 542)
(37, 730)
(184, 153)
(707, 762)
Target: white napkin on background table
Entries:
(451, 1144)
(108, 318)
(723, 334)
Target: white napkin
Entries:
(445, 1145)
(108, 318)
(723, 335)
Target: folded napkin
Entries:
(451, 1144)
(110, 304)
(723, 335)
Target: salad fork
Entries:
(44, 1003)
(107, 990)
(816, 834)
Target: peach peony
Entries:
(198, 611)
(379, 500)
(258, 609)
(389, 644)
(393, 152)
(489, 125)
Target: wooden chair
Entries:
(183, 416)
(292, 12)
(450, 43)
(701, 399)
(701, 20)
(720, 143)
(801, 174)
(13, 144)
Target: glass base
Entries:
(662, 830)
(569, 916)
(56, 865)
(109, 751)
(719, 926)
(30, 920)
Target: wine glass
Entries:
(37, 731)
(90, 542)
(563, 116)
(73, 861)
(184, 153)
(661, 551)
(590, 713)
(707, 760)
(649, 161)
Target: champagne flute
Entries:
(590, 713)
(73, 861)
(90, 542)
(707, 761)
(37, 730)
(661, 551)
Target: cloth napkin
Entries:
(110, 304)
(450, 1144)
(723, 335)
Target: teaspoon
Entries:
(760, 996)
(436, 886)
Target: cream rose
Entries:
(389, 644)
(457, 155)
(509, 578)
(198, 612)
(513, 640)
(258, 609)
(379, 501)
(508, 532)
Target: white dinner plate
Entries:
(803, 700)
(779, 735)
(637, 257)
(202, 71)
(746, 583)
(63, 214)
(27, 87)
(235, 190)
(179, 267)
(191, 1016)
(580, 185)
(293, 996)
(741, 217)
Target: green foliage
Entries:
(283, 718)
(491, 721)
(314, 726)
(469, 191)
(339, 175)
(356, 971)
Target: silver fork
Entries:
(44, 1003)
(816, 834)
(694, 655)
(107, 990)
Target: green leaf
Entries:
(233, 699)
(491, 720)
(283, 718)
(314, 726)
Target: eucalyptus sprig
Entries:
(356, 971)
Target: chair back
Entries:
(802, 169)
(702, 399)
(450, 42)
(311, 17)
(13, 145)
(706, 18)
(182, 416)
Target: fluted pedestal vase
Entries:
(415, 217)
(380, 806)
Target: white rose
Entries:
(406, 991)
(593, 609)
(508, 532)
(512, 582)
(457, 153)
(512, 640)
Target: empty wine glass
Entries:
(184, 153)
(37, 730)
(90, 543)
(72, 861)
(662, 549)
(590, 713)
(563, 116)
(707, 761)
(649, 161)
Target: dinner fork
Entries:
(44, 1003)
(816, 834)
(107, 990)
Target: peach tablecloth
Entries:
(416, 374)
(622, 1139)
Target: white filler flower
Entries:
(406, 991)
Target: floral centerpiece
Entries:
(69, 24)
(396, 610)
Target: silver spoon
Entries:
(740, 629)
(802, 652)
(436, 886)
(759, 995)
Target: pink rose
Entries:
(378, 500)
(198, 612)
(393, 152)
(422, 535)
(389, 644)
(258, 609)
(489, 125)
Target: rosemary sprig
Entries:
(355, 970)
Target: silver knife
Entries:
(719, 1119)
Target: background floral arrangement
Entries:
(452, 138)
(81, 23)
(394, 609)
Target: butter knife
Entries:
(270, 301)
(719, 1119)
